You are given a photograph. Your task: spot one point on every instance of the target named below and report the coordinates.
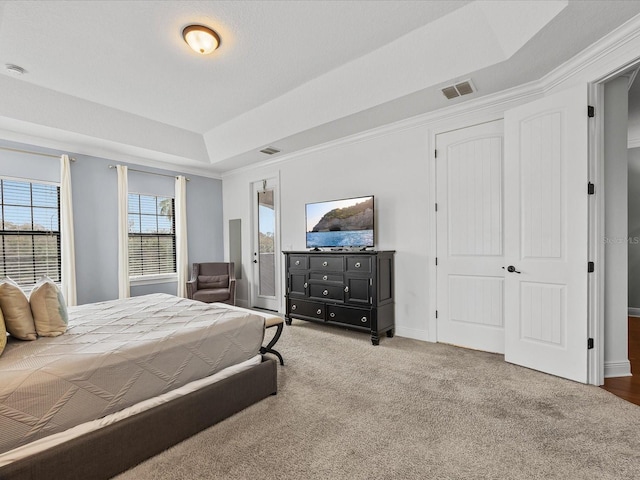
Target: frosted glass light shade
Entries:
(201, 39)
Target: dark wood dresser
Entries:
(352, 289)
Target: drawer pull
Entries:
(324, 264)
(332, 315)
(346, 289)
(324, 277)
(357, 264)
(297, 262)
(293, 307)
(305, 284)
(363, 319)
(319, 312)
(325, 292)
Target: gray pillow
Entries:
(213, 281)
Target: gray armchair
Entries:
(212, 282)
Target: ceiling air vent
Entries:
(462, 88)
(269, 150)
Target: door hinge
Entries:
(591, 111)
(436, 207)
(591, 267)
(591, 188)
(589, 343)
(436, 313)
(435, 153)
(436, 261)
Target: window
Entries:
(152, 238)
(30, 231)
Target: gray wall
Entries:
(95, 202)
(634, 227)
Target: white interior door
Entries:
(266, 261)
(546, 232)
(470, 277)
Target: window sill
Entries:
(153, 279)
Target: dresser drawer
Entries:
(298, 262)
(359, 264)
(326, 277)
(326, 292)
(304, 308)
(352, 316)
(326, 263)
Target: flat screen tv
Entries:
(340, 223)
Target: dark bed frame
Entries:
(111, 450)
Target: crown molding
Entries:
(87, 149)
(459, 115)
(608, 49)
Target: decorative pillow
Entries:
(213, 281)
(17, 313)
(3, 334)
(49, 308)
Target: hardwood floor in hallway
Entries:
(629, 387)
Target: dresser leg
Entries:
(375, 339)
(287, 320)
(391, 333)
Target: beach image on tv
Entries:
(340, 223)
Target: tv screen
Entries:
(340, 223)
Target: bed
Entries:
(128, 379)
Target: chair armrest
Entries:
(192, 287)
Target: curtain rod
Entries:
(150, 173)
(35, 153)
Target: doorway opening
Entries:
(620, 95)
(265, 285)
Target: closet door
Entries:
(470, 240)
(546, 232)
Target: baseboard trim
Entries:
(414, 333)
(617, 369)
(634, 312)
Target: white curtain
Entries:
(67, 244)
(123, 232)
(182, 255)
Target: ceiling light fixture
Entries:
(201, 39)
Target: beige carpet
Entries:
(409, 410)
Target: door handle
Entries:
(511, 269)
(256, 261)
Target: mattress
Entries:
(114, 355)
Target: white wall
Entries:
(394, 168)
(616, 361)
